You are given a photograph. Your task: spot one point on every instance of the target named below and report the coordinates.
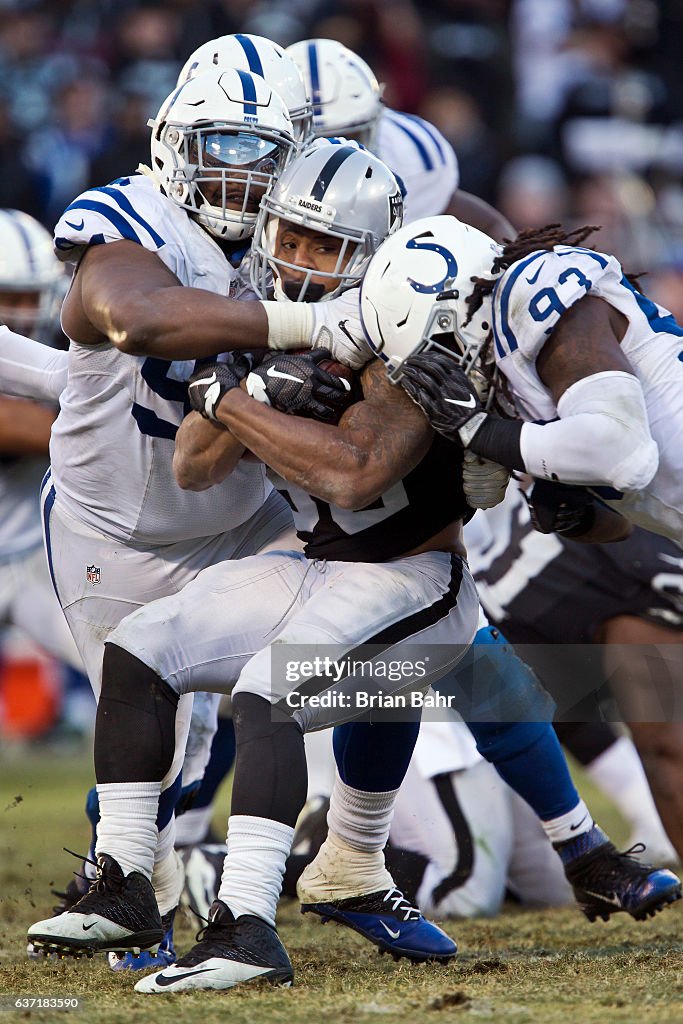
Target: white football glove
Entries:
(484, 482)
(337, 327)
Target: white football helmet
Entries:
(218, 142)
(262, 57)
(32, 280)
(341, 191)
(345, 95)
(413, 295)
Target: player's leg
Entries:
(644, 662)
(143, 717)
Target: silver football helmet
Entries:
(32, 280)
(413, 297)
(341, 191)
(262, 57)
(345, 94)
(218, 142)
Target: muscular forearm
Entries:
(315, 456)
(205, 453)
(29, 369)
(24, 427)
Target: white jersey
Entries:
(528, 302)
(112, 444)
(423, 159)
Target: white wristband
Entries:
(290, 324)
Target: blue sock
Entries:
(528, 756)
(374, 757)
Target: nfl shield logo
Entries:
(93, 573)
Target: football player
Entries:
(32, 285)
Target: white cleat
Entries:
(229, 952)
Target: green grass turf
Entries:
(549, 967)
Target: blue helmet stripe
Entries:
(249, 94)
(251, 53)
(324, 179)
(315, 79)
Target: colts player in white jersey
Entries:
(593, 366)
(32, 284)
(119, 532)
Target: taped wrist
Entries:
(499, 441)
(135, 724)
(290, 324)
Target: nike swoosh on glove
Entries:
(208, 386)
(445, 394)
(297, 384)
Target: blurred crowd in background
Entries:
(558, 110)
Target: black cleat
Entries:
(606, 881)
(117, 913)
(229, 951)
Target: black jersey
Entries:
(408, 514)
(541, 589)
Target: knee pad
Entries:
(491, 683)
(135, 725)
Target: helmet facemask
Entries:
(220, 175)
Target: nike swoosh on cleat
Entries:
(605, 899)
(394, 935)
(469, 404)
(76, 227)
(573, 828)
(87, 927)
(534, 279)
(164, 980)
(272, 372)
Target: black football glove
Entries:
(297, 384)
(446, 396)
(560, 508)
(208, 385)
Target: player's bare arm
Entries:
(376, 443)
(205, 453)
(125, 294)
(24, 427)
(475, 211)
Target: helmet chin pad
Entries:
(313, 293)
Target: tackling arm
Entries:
(126, 295)
(376, 443)
(31, 370)
(205, 453)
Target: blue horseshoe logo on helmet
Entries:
(451, 266)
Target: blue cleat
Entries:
(606, 882)
(388, 920)
(145, 960)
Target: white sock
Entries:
(362, 820)
(127, 829)
(570, 825)
(255, 865)
(168, 879)
(619, 773)
(191, 826)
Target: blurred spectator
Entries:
(148, 59)
(127, 143)
(459, 117)
(16, 188)
(665, 283)
(59, 155)
(533, 192)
